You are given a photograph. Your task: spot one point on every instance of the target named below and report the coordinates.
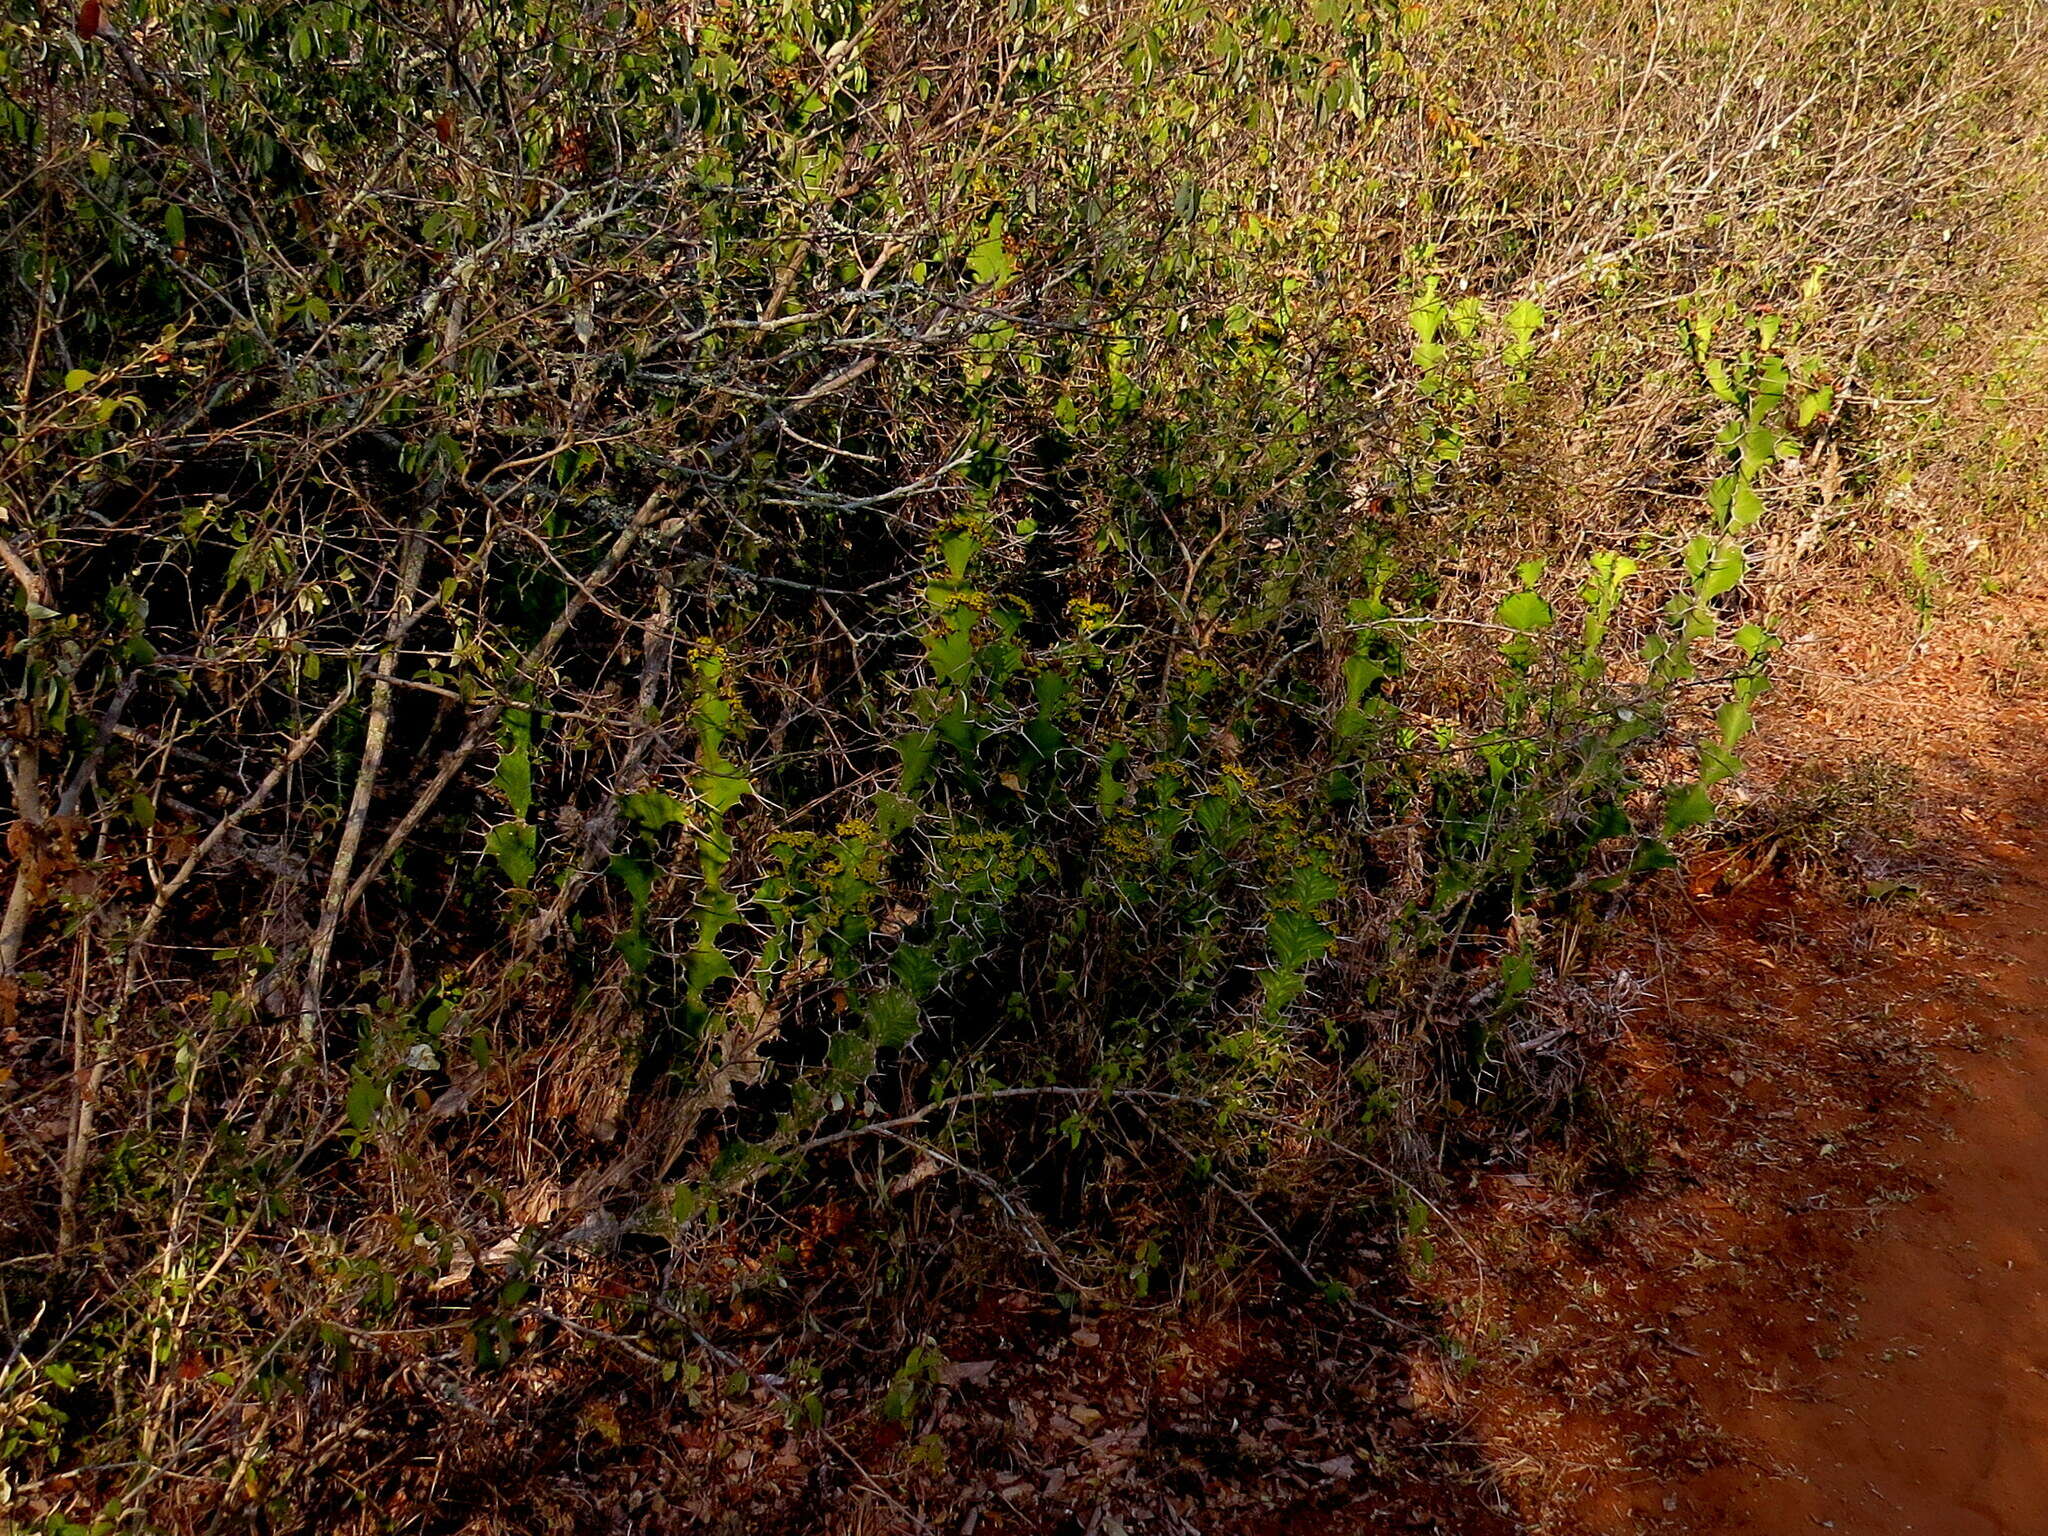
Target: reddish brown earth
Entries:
(1819, 1298)
(1934, 1417)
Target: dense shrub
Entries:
(631, 619)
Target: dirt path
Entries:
(1933, 1418)
(1801, 1283)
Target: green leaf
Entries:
(1296, 939)
(514, 779)
(1360, 673)
(893, 1018)
(706, 964)
(1517, 976)
(958, 548)
(365, 1098)
(916, 750)
(1690, 807)
(1312, 885)
(990, 260)
(894, 813)
(1715, 565)
(1759, 449)
(1767, 390)
(516, 848)
(1652, 854)
(851, 1054)
(1721, 498)
(1746, 509)
(917, 968)
(637, 876)
(720, 792)
(635, 949)
(952, 653)
(1717, 763)
(1526, 611)
(1609, 820)
(1733, 721)
(653, 809)
(1735, 503)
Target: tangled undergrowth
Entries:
(687, 681)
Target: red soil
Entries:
(1933, 1419)
(1822, 1303)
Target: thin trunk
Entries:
(411, 563)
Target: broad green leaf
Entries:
(893, 813)
(653, 809)
(516, 848)
(917, 968)
(514, 779)
(1733, 721)
(952, 653)
(1526, 611)
(1715, 565)
(1690, 807)
(990, 260)
(720, 792)
(706, 964)
(1721, 498)
(1746, 509)
(1652, 854)
(851, 1054)
(365, 1097)
(1717, 763)
(916, 750)
(1360, 673)
(637, 876)
(1296, 939)
(959, 547)
(893, 1018)
(1759, 448)
(1767, 390)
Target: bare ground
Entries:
(1816, 1299)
